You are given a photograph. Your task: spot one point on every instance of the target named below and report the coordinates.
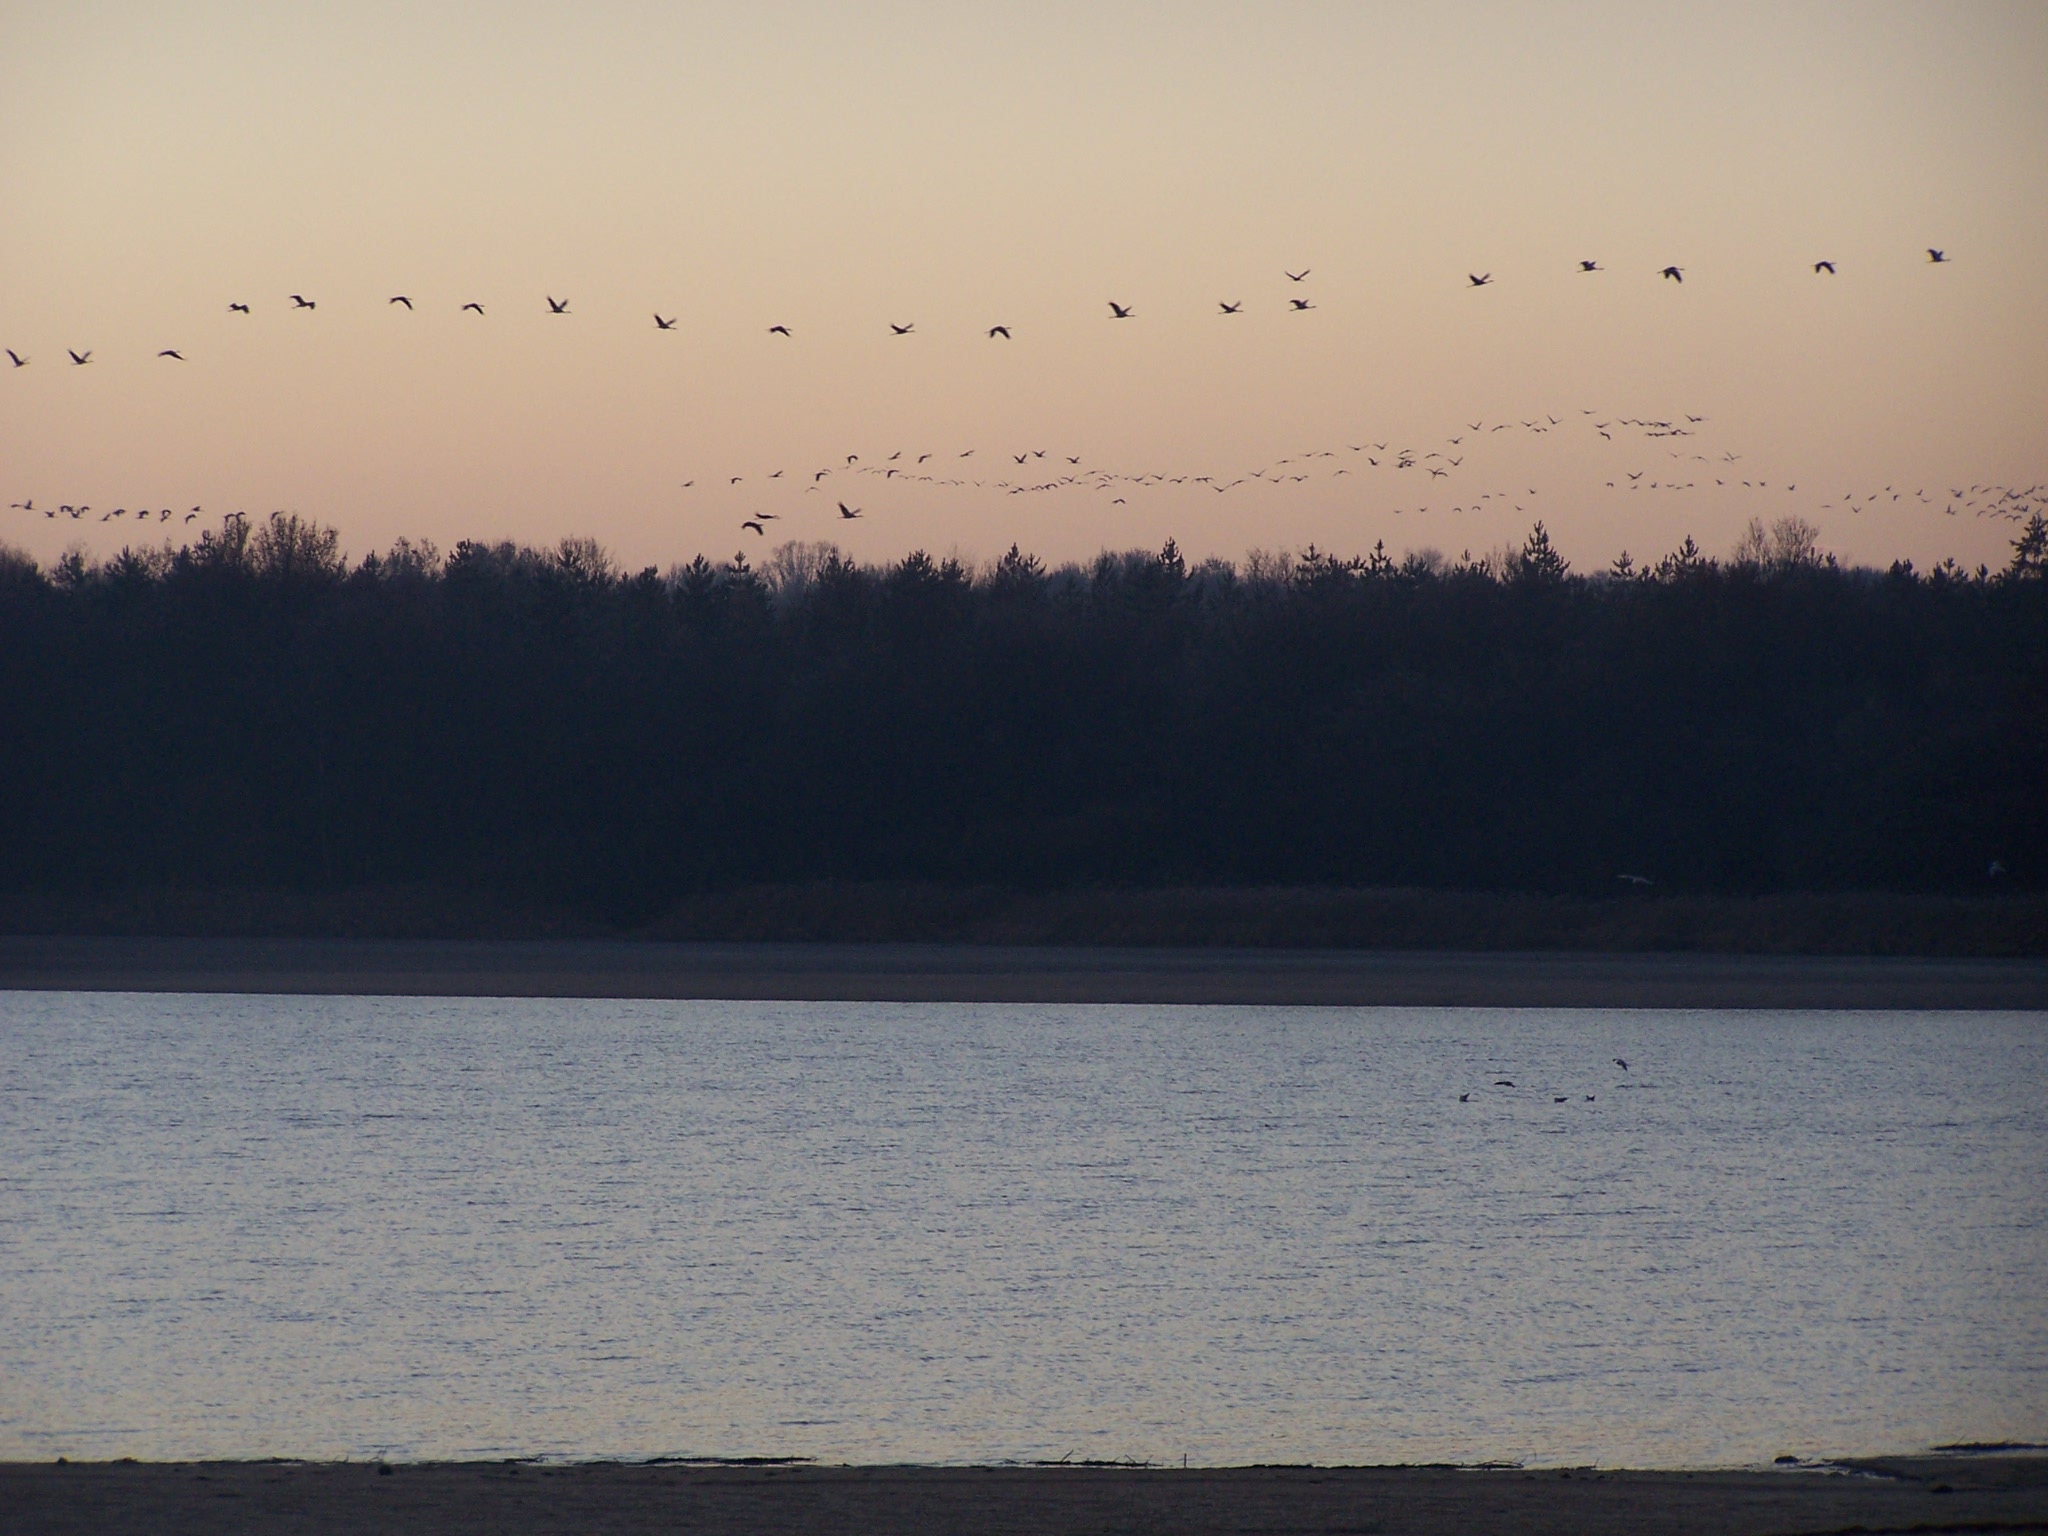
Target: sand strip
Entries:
(994, 973)
(2004, 1494)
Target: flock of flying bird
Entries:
(1437, 468)
(1000, 332)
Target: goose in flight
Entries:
(999, 330)
(557, 306)
(81, 361)
(1934, 255)
(1479, 279)
(778, 330)
(664, 325)
(172, 352)
(848, 512)
(1230, 309)
(300, 301)
(16, 358)
(1295, 277)
(238, 309)
(399, 298)
(902, 330)
(1119, 311)
(1589, 266)
(1676, 274)
(477, 307)
(1300, 305)
(1824, 266)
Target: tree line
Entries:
(256, 710)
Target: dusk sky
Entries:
(841, 168)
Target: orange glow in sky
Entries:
(839, 169)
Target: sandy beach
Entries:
(999, 973)
(2004, 1493)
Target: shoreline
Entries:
(2002, 1492)
(982, 973)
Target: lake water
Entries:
(322, 1227)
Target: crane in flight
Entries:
(848, 512)
(1824, 266)
(1231, 309)
(902, 330)
(1478, 279)
(1675, 274)
(1119, 311)
(1295, 277)
(16, 358)
(1589, 266)
(999, 330)
(477, 307)
(1934, 255)
(80, 360)
(557, 306)
(778, 330)
(300, 301)
(238, 309)
(1300, 305)
(400, 298)
(172, 352)
(664, 325)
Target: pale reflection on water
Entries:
(242, 1226)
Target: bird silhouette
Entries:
(557, 306)
(1676, 274)
(848, 512)
(1295, 277)
(1589, 266)
(661, 324)
(1119, 311)
(999, 330)
(172, 352)
(1503, 1082)
(238, 309)
(1934, 255)
(1621, 1064)
(750, 523)
(1231, 309)
(778, 330)
(477, 307)
(902, 330)
(1300, 305)
(300, 301)
(1479, 279)
(1824, 266)
(16, 358)
(78, 359)
(400, 299)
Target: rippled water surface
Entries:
(453, 1227)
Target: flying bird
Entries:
(846, 511)
(1479, 279)
(1621, 1064)
(1300, 305)
(661, 324)
(557, 306)
(1119, 311)
(1676, 274)
(1824, 266)
(999, 330)
(1295, 277)
(300, 301)
(1230, 309)
(1589, 266)
(238, 309)
(1934, 255)
(902, 330)
(477, 307)
(76, 358)
(750, 523)
(16, 358)
(778, 330)
(400, 299)
(172, 352)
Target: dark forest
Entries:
(254, 711)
